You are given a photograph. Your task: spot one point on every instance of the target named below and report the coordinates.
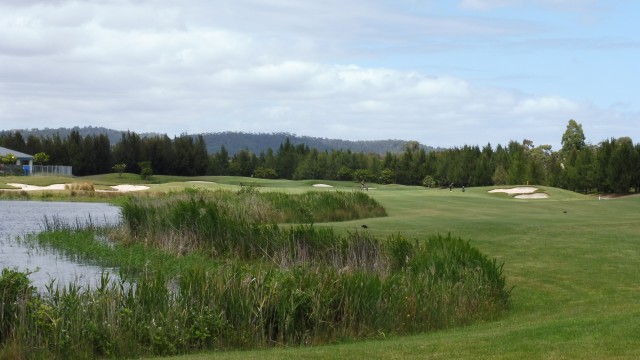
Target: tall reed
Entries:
(225, 223)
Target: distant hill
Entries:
(113, 135)
(236, 141)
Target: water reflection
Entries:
(18, 218)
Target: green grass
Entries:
(573, 262)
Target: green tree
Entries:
(428, 181)
(219, 162)
(363, 175)
(622, 165)
(41, 158)
(573, 137)
(14, 140)
(201, 156)
(484, 167)
(344, 173)
(34, 145)
(129, 151)
(102, 154)
(265, 173)
(500, 176)
(145, 170)
(286, 160)
(386, 176)
(243, 163)
(159, 151)
(9, 159)
(518, 164)
(587, 169)
(119, 168)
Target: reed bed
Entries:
(86, 186)
(258, 285)
(239, 224)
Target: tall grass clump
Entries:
(239, 305)
(228, 223)
(323, 206)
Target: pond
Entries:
(18, 218)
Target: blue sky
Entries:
(445, 73)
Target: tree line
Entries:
(613, 165)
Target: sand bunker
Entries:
(120, 188)
(127, 188)
(524, 192)
(532, 196)
(516, 190)
(26, 187)
(322, 186)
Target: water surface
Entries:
(18, 218)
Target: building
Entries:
(24, 160)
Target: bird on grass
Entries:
(365, 227)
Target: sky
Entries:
(444, 73)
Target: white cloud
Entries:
(485, 4)
(312, 68)
(547, 104)
(568, 5)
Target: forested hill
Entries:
(236, 141)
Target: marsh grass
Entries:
(14, 195)
(241, 281)
(239, 305)
(240, 224)
(85, 186)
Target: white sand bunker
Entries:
(26, 187)
(119, 188)
(516, 190)
(523, 192)
(322, 186)
(127, 188)
(532, 196)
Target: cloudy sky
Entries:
(445, 73)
